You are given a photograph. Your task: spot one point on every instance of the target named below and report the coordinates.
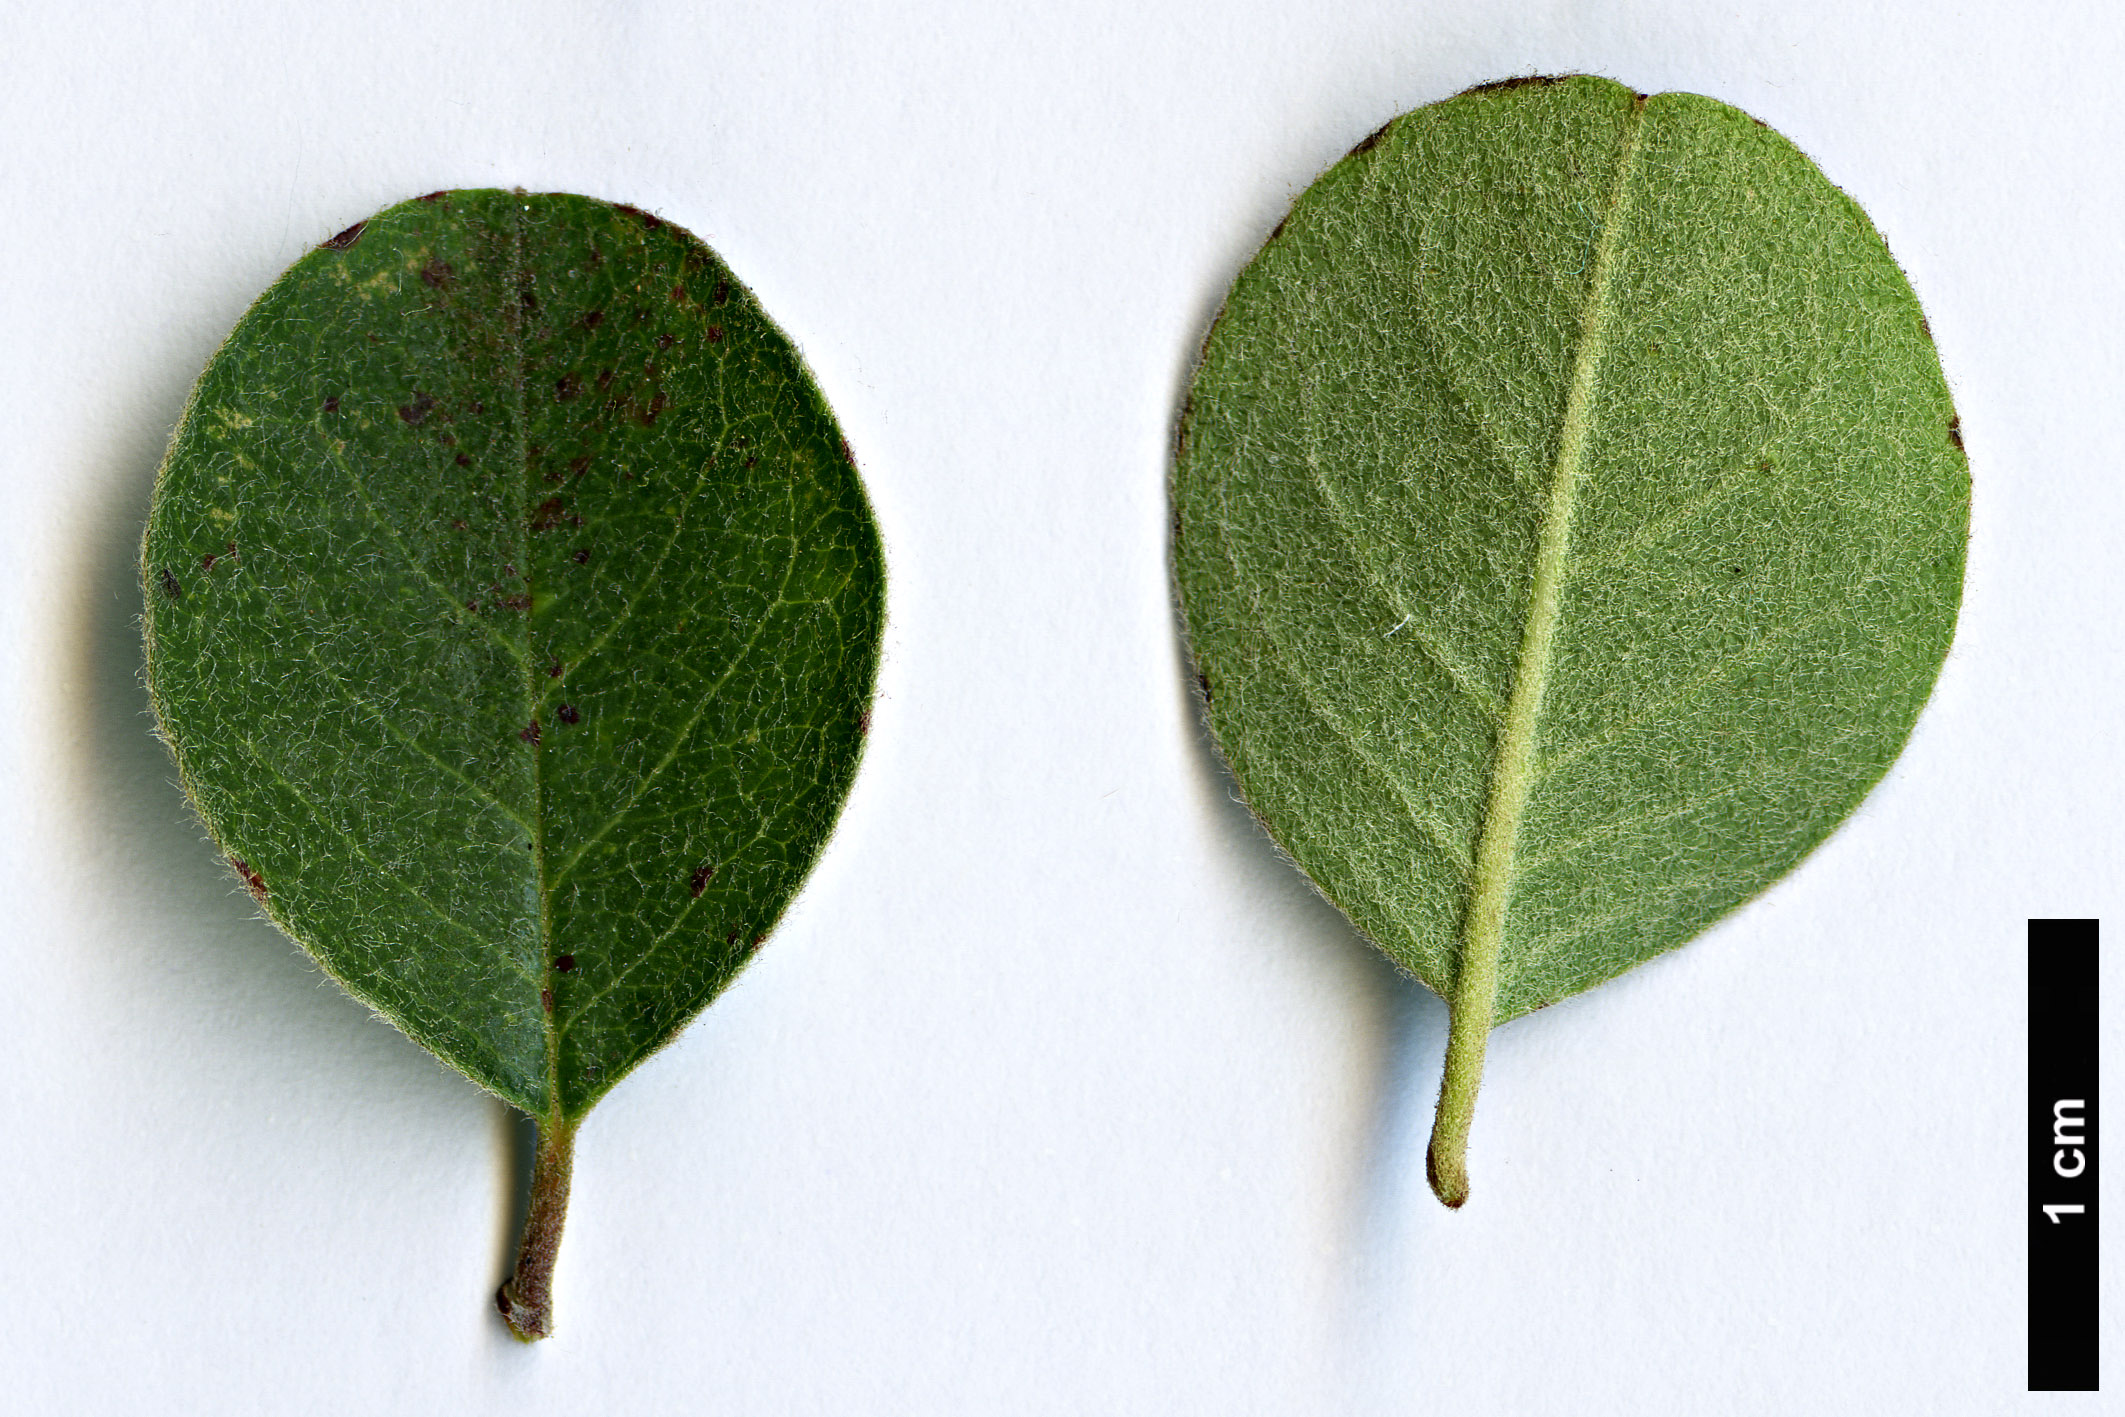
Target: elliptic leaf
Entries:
(1570, 519)
(513, 609)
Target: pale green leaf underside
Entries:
(513, 612)
(1570, 524)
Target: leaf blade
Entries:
(476, 507)
(1691, 654)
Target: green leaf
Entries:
(513, 610)
(1570, 520)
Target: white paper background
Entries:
(1058, 1092)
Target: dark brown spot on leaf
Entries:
(1524, 81)
(577, 466)
(1202, 681)
(715, 334)
(1372, 140)
(678, 293)
(565, 963)
(568, 714)
(1955, 433)
(581, 557)
(698, 882)
(518, 602)
(170, 586)
(206, 562)
(549, 515)
(332, 404)
(847, 456)
(758, 941)
(553, 670)
(546, 1000)
(253, 882)
(863, 723)
(594, 319)
(722, 291)
(417, 412)
(567, 387)
(346, 238)
(438, 274)
(530, 733)
(462, 461)
(665, 341)
(604, 379)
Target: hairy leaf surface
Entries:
(1570, 521)
(513, 613)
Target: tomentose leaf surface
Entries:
(1570, 521)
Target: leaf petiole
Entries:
(526, 1297)
(1446, 1161)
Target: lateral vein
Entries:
(1339, 519)
(1431, 830)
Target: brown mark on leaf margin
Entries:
(1522, 82)
(1366, 144)
(253, 882)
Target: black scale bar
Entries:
(2063, 1233)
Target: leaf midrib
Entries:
(1514, 766)
(549, 1034)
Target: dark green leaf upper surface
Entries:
(1570, 511)
(513, 613)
